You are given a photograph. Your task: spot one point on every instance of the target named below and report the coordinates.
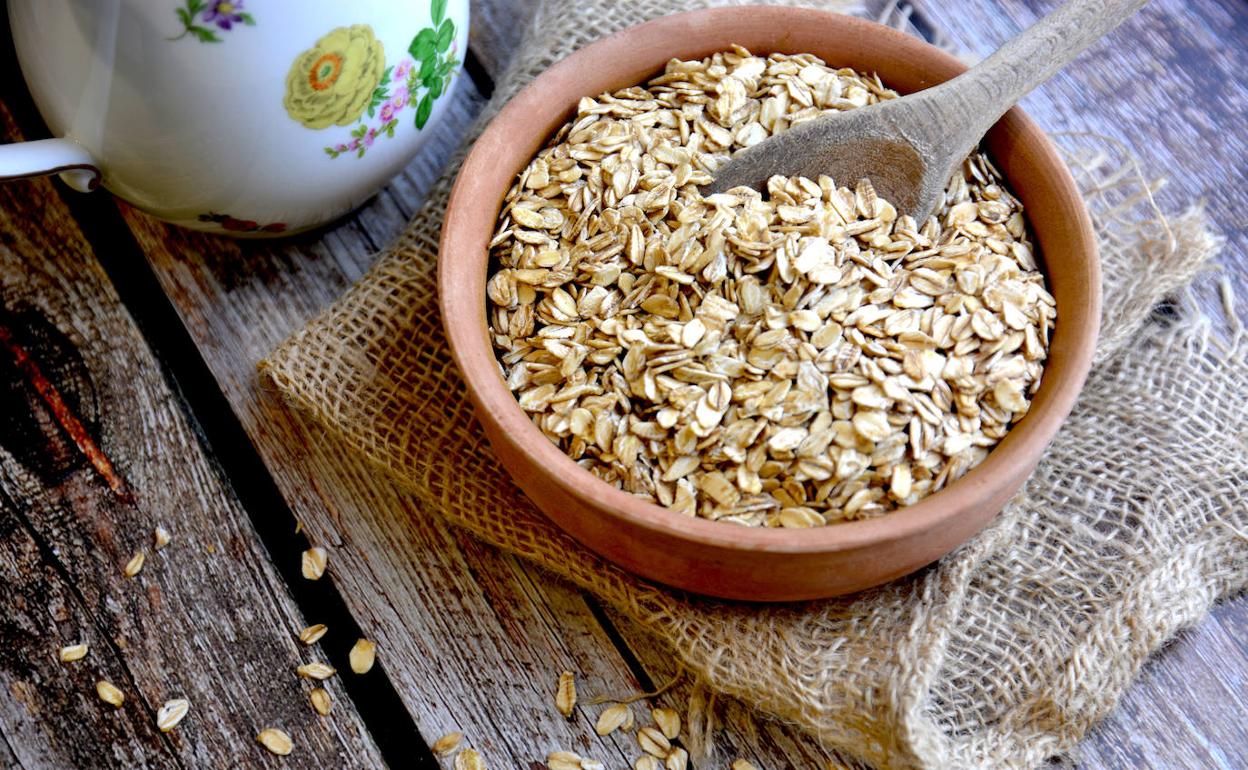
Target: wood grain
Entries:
(94, 453)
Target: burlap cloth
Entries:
(1001, 655)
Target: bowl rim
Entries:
(468, 337)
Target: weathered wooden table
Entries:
(128, 399)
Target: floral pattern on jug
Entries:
(236, 225)
(199, 17)
(342, 79)
(245, 115)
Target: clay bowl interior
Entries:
(726, 560)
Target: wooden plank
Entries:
(95, 452)
(1169, 84)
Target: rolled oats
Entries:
(171, 713)
(789, 359)
(565, 693)
(276, 741)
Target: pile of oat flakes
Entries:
(794, 358)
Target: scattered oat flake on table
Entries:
(612, 718)
(653, 742)
(275, 741)
(741, 764)
(563, 760)
(160, 538)
(667, 720)
(469, 759)
(565, 694)
(72, 652)
(316, 671)
(135, 564)
(314, 561)
(362, 656)
(678, 759)
(313, 633)
(321, 701)
(447, 743)
(109, 693)
(171, 713)
(646, 762)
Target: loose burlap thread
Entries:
(1001, 655)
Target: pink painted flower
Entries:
(369, 137)
(355, 144)
(399, 100)
(341, 148)
(402, 68)
(387, 112)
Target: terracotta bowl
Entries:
(727, 560)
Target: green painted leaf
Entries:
(385, 76)
(205, 35)
(248, 20)
(438, 11)
(427, 68)
(435, 88)
(194, 6)
(446, 33)
(423, 45)
(184, 16)
(447, 66)
(423, 110)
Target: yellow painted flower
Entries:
(331, 82)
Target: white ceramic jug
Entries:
(249, 117)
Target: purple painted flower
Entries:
(399, 100)
(387, 112)
(224, 13)
(369, 137)
(402, 68)
(355, 144)
(341, 148)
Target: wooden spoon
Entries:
(910, 147)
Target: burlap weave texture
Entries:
(1001, 655)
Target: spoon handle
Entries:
(971, 103)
